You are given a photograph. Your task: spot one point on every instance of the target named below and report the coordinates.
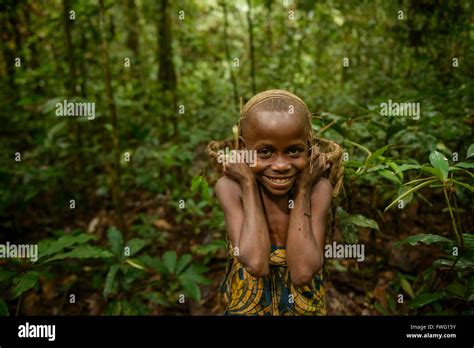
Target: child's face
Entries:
(280, 140)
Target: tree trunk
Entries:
(251, 47)
(166, 72)
(268, 25)
(228, 57)
(115, 187)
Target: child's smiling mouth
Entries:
(279, 182)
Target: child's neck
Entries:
(281, 201)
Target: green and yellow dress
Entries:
(242, 294)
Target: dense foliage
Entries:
(121, 204)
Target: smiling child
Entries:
(275, 212)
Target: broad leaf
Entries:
(407, 287)
(136, 245)
(425, 299)
(190, 288)
(82, 252)
(387, 174)
(153, 263)
(46, 248)
(470, 151)
(363, 221)
(24, 283)
(110, 280)
(465, 165)
(169, 259)
(426, 239)
(157, 298)
(183, 262)
(376, 154)
(439, 161)
(115, 240)
(405, 167)
(462, 264)
(463, 184)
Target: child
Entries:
(275, 211)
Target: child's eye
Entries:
(294, 151)
(264, 152)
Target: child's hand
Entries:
(239, 172)
(309, 176)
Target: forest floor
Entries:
(352, 288)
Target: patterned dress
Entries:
(242, 294)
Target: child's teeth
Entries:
(280, 181)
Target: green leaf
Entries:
(135, 263)
(396, 169)
(381, 309)
(348, 230)
(82, 252)
(169, 259)
(5, 275)
(376, 154)
(183, 262)
(157, 298)
(463, 184)
(405, 167)
(48, 247)
(426, 239)
(439, 161)
(407, 287)
(413, 189)
(205, 189)
(110, 280)
(115, 240)
(457, 289)
(433, 171)
(24, 283)
(387, 174)
(462, 264)
(468, 241)
(406, 199)
(135, 245)
(425, 299)
(114, 308)
(353, 164)
(470, 151)
(465, 165)
(196, 183)
(190, 288)
(363, 221)
(214, 246)
(154, 263)
(194, 273)
(3, 308)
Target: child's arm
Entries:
(245, 221)
(306, 229)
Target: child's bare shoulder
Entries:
(227, 189)
(321, 189)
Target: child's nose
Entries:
(281, 165)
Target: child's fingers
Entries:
(315, 154)
(323, 162)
